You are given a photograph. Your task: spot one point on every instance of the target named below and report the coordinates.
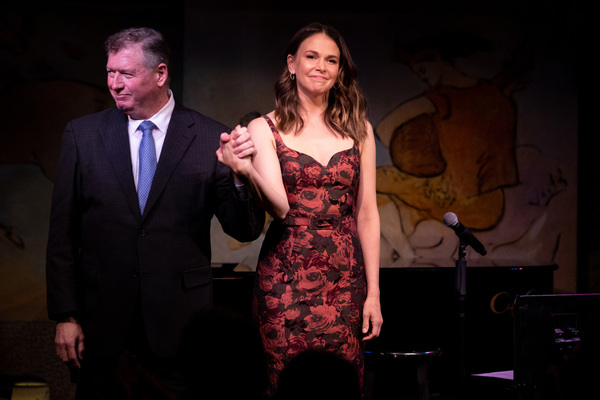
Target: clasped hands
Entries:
(236, 150)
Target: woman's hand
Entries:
(241, 142)
(236, 151)
(372, 318)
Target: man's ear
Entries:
(162, 74)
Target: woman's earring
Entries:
(292, 76)
(336, 85)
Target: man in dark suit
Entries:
(126, 273)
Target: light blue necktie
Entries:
(147, 153)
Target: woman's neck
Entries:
(310, 106)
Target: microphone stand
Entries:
(461, 290)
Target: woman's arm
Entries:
(262, 173)
(367, 220)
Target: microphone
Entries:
(465, 235)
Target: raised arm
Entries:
(261, 174)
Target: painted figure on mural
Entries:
(453, 147)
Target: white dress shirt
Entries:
(161, 119)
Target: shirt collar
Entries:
(161, 119)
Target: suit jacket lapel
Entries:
(177, 140)
(116, 140)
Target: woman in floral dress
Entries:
(317, 283)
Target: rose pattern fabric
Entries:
(310, 285)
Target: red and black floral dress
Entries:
(310, 285)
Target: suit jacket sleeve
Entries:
(240, 218)
(63, 239)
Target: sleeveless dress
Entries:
(310, 283)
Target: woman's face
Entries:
(315, 64)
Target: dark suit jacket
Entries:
(103, 254)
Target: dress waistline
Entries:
(326, 222)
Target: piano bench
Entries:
(420, 357)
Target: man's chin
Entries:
(124, 107)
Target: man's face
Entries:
(136, 89)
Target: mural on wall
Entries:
(454, 148)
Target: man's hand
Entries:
(236, 151)
(241, 142)
(69, 341)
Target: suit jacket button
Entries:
(142, 232)
(136, 272)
